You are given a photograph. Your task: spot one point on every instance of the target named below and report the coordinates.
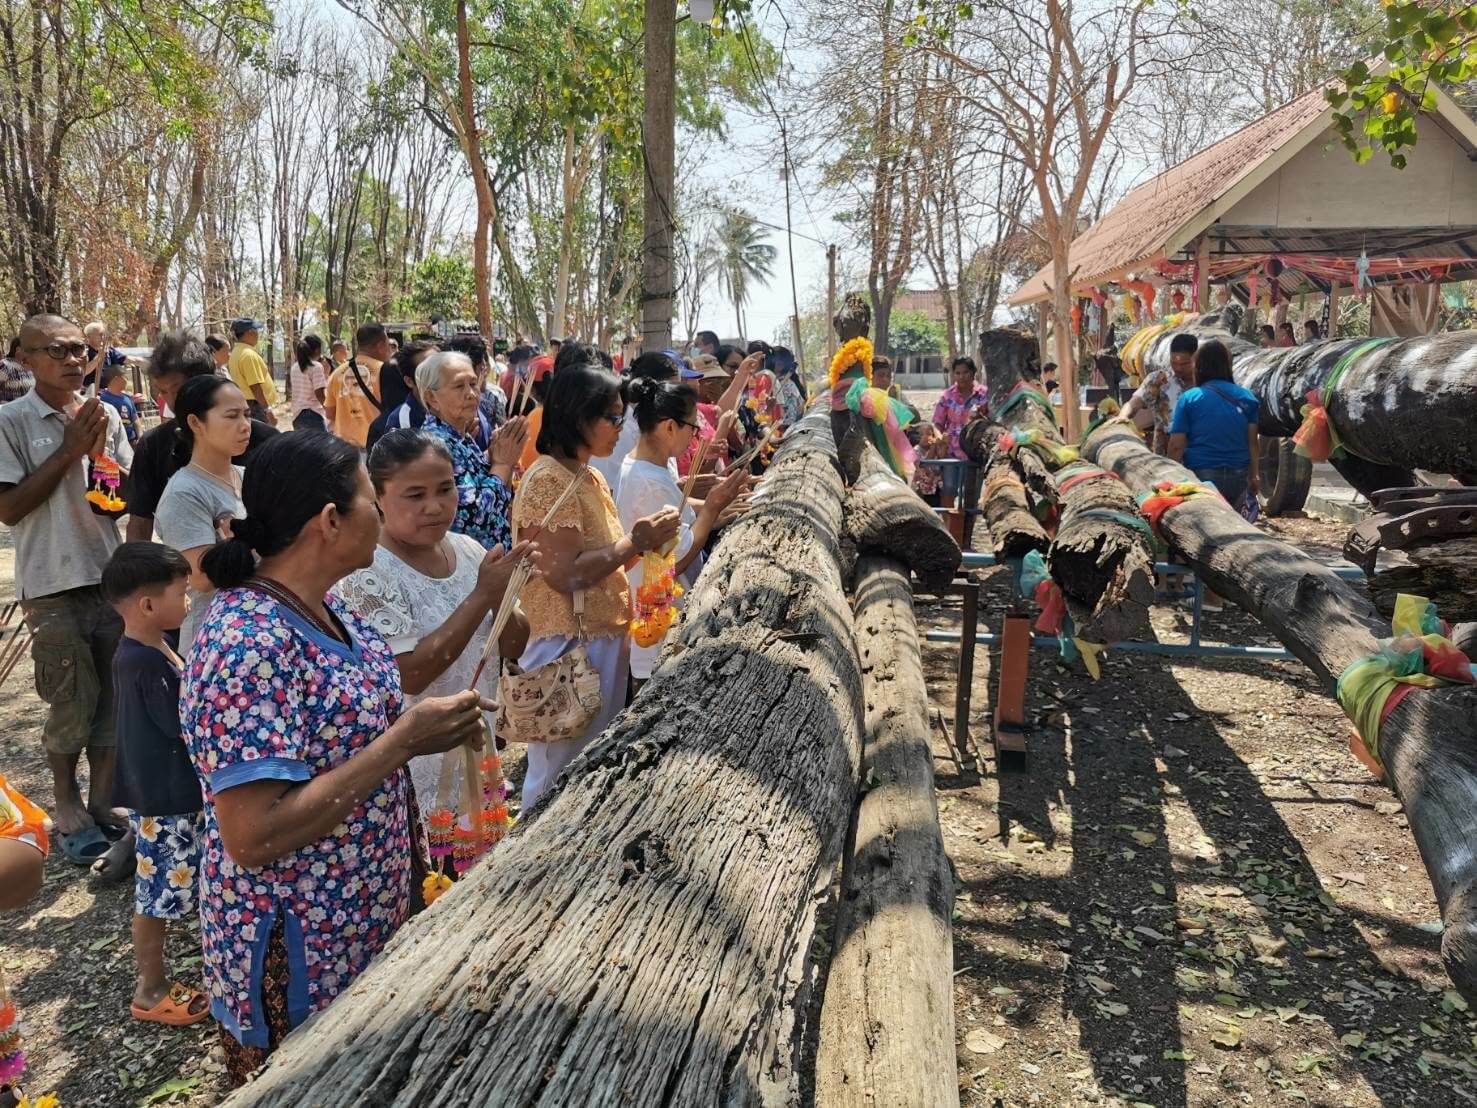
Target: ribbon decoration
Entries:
(1025, 391)
(1084, 475)
(1316, 438)
(1054, 453)
(1132, 354)
(1167, 495)
(1002, 481)
(1419, 656)
(884, 419)
(1036, 582)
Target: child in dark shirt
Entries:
(145, 582)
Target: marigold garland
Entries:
(852, 352)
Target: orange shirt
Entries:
(349, 410)
(530, 446)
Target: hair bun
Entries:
(248, 531)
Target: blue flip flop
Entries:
(84, 847)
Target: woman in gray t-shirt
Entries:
(213, 426)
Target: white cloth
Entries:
(611, 657)
(645, 490)
(610, 468)
(405, 605)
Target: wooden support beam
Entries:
(646, 935)
(887, 1023)
(1428, 743)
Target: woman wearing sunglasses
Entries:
(586, 551)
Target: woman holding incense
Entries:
(431, 593)
(447, 384)
(666, 415)
(582, 595)
(291, 707)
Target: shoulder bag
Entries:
(556, 701)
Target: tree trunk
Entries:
(481, 182)
(646, 935)
(146, 315)
(1428, 743)
(887, 1023)
(884, 516)
(1405, 405)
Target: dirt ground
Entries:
(1191, 894)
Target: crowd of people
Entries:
(273, 673)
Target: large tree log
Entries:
(1103, 564)
(885, 516)
(645, 935)
(1443, 572)
(1429, 742)
(887, 1024)
(1405, 405)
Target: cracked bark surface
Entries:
(645, 935)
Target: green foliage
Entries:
(914, 333)
(440, 285)
(742, 258)
(1423, 45)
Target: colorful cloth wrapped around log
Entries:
(1420, 655)
(1317, 439)
(1036, 582)
(1167, 495)
(1024, 393)
(1054, 453)
(885, 420)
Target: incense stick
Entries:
(697, 465)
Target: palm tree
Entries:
(742, 259)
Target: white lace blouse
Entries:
(405, 605)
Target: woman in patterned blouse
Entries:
(291, 709)
(447, 384)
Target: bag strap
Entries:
(1231, 400)
(354, 369)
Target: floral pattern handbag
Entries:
(554, 702)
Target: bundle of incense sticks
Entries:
(517, 580)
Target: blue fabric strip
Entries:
(259, 769)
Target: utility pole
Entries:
(790, 246)
(658, 143)
(830, 301)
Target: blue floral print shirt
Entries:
(483, 500)
(270, 696)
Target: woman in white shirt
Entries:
(666, 417)
(430, 593)
(308, 384)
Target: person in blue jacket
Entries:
(1213, 429)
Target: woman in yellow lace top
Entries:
(586, 552)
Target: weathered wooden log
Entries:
(1399, 406)
(645, 936)
(1102, 560)
(885, 516)
(1005, 498)
(1007, 356)
(887, 1022)
(1443, 572)
(1428, 743)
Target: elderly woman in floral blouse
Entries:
(447, 384)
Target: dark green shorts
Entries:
(73, 637)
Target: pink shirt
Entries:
(304, 382)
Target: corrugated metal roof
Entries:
(1139, 226)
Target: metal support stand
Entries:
(964, 683)
(1009, 732)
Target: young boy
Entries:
(145, 582)
(114, 381)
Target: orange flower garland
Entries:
(656, 599)
(853, 352)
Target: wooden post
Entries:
(887, 1023)
(658, 133)
(1202, 273)
(1333, 310)
(830, 302)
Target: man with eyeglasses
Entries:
(47, 438)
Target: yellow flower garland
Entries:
(852, 352)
